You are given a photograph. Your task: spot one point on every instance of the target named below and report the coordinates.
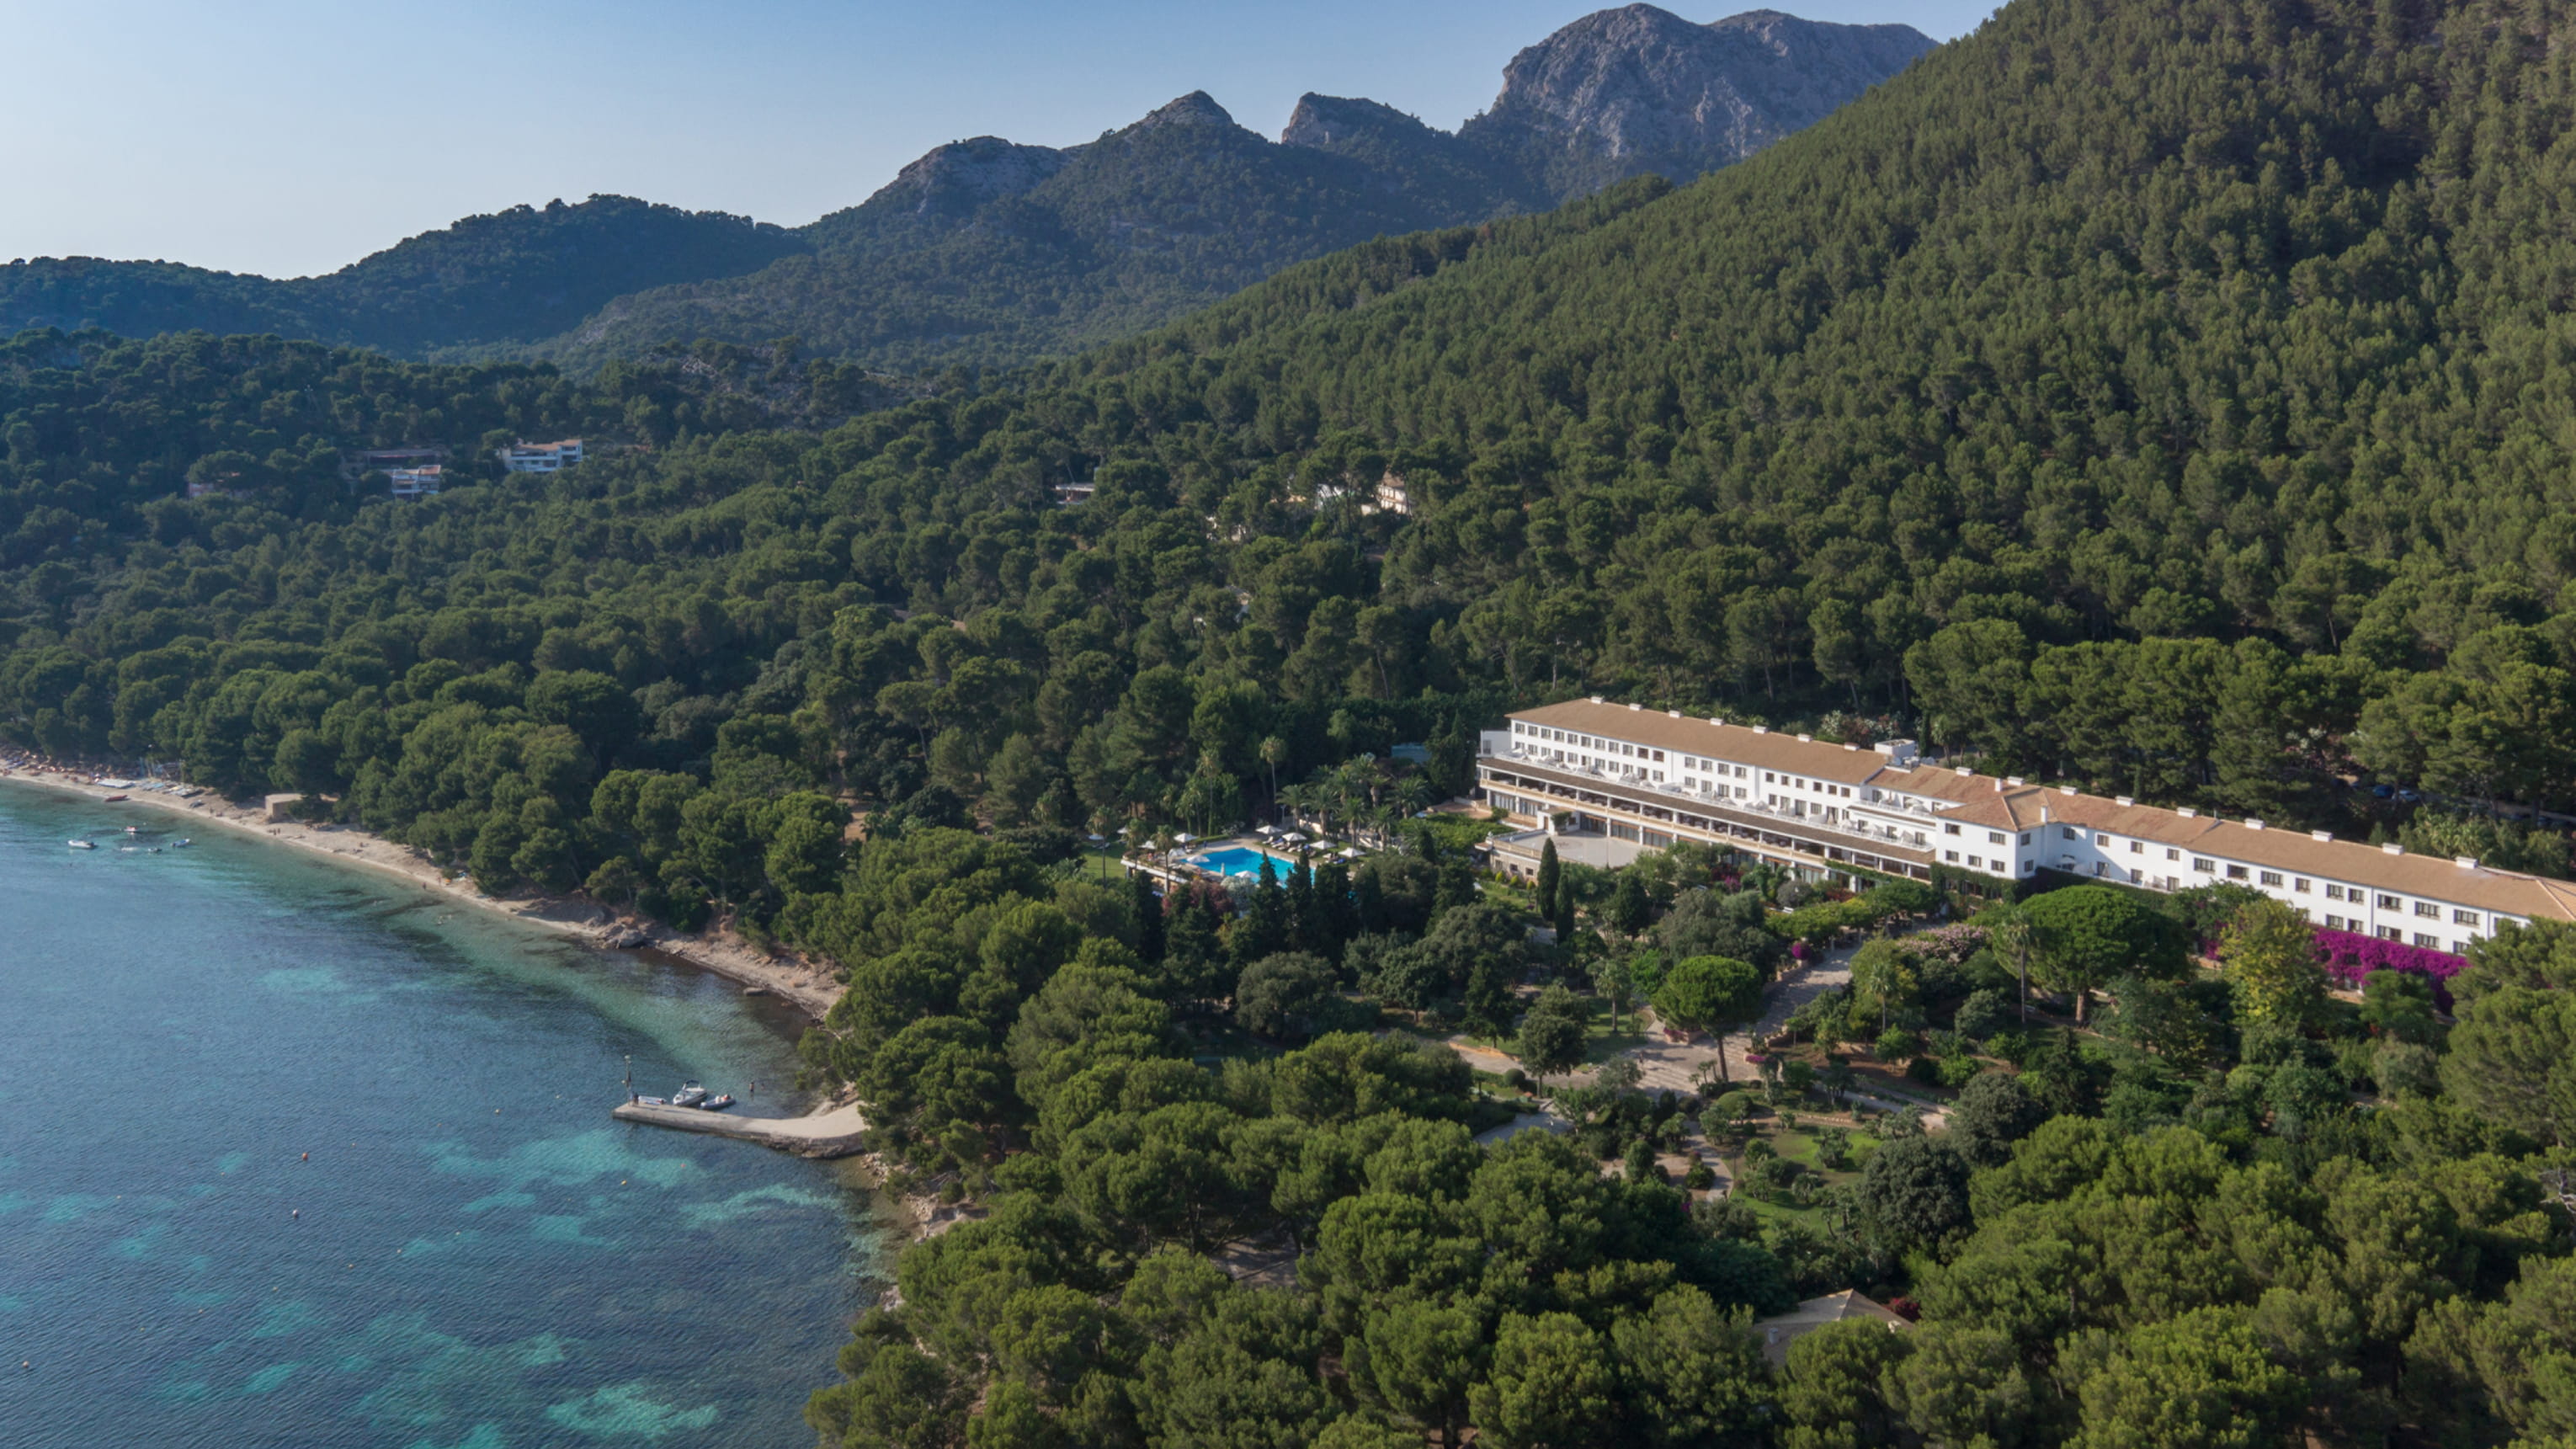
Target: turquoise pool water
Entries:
(1242, 860)
(473, 1256)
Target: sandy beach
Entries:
(810, 989)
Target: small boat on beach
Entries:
(112, 799)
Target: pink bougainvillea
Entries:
(2349, 956)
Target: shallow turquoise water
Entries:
(475, 1257)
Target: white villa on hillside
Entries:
(541, 457)
(1639, 775)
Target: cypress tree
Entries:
(1549, 874)
(1263, 928)
(1147, 906)
(1303, 934)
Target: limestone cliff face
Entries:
(954, 179)
(1640, 89)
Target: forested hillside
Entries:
(518, 276)
(2166, 397)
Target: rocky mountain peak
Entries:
(1326, 121)
(1198, 108)
(1640, 88)
(962, 175)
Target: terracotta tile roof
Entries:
(2296, 852)
(1741, 744)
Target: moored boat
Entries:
(718, 1102)
(689, 1095)
(82, 844)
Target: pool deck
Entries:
(835, 1132)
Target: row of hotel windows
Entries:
(2271, 879)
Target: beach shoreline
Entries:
(810, 990)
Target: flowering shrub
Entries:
(1949, 943)
(2349, 956)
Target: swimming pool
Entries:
(1242, 860)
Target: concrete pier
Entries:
(832, 1133)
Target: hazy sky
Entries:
(290, 136)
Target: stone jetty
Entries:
(834, 1132)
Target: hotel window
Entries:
(1951, 856)
(2067, 832)
(1976, 863)
(2428, 908)
(2136, 875)
(2459, 948)
(1769, 779)
(2464, 918)
(2172, 854)
(2391, 903)
(2137, 847)
(2236, 872)
(2333, 892)
(2025, 837)
(2271, 878)
(2205, 867)
(2428, 940)
(1949, 829)
(2334, 923)
(1994, 837)
(2389, 933)
(2300, 885)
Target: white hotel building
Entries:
(1823, 808)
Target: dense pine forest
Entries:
(2171, 399)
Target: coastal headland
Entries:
(810, 989)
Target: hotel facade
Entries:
(1825, 809)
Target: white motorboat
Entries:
(82, 844)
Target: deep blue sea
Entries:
(475, 1255)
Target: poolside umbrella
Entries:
(1097, 838)
(1294, 838)
(1184, 837)
(1269, 830)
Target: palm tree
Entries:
(1273, 751)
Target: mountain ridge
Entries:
(991, 251)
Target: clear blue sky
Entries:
(292, 136)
